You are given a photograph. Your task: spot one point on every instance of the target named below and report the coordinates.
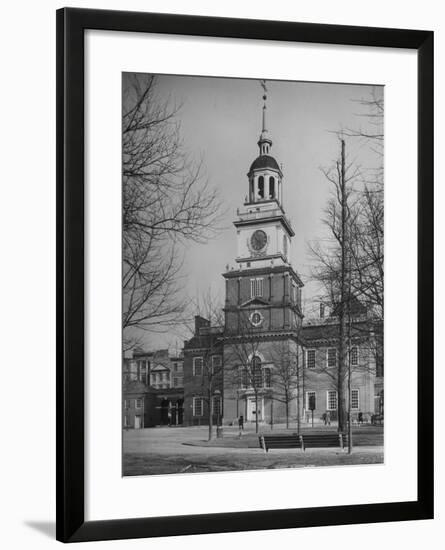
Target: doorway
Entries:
(252, 411)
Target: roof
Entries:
(264, 161)
(330, 330)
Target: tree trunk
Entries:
(341, 405)
(271, 412)
(256, 411)
(349, 365)
(298, 395)
(287, 411)
(210, 414)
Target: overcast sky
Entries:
(221, 122)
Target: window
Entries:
(271, 187)
(257, 373)
(310, 401)
(198, 406)
(331, 400)
(126, 422)
(127, 403)
(310, 359)
(261, 187)
(197, 366)
(354, 399)
(256, 287)
(267, 377)
(177, 382)
(138, 403)
(242, 377)
(332, 357)
(354, 356)
(175, 367)
(216, 361)
(217, 404)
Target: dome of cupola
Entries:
(263, 162)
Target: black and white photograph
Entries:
(252, 274)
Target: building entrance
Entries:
(253, 411)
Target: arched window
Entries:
(257, 375)
(271, 187)
(251, 197)
(267, 378)
(261, 187)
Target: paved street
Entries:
(180, 450)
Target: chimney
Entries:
(200, 322)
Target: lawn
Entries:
(153, 463)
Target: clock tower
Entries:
(263, 315)
(263, 292)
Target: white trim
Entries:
(260, 355)
(327, 400)
(257, 287)
(358, 356)
(307, 358)
(358, 399)
(327, 358)
(260, 322)
(202, 406)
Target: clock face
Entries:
(258, 240)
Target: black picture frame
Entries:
(71, 24)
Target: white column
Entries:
(266, 187)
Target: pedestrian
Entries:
(328, 418)
(241, 423)
(360, 418)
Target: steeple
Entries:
(264, 143)
(265, 177)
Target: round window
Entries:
(256, 318)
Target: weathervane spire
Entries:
(264, 143)
(263, 85)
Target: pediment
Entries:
(255, 302)
(159, 367)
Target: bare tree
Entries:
(287, 376)
(242, 353)
(333, 269)
(166, 202)
(367, 229)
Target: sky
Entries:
(220, 123)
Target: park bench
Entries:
(323, 440)
(303, 442)
(291, 441)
